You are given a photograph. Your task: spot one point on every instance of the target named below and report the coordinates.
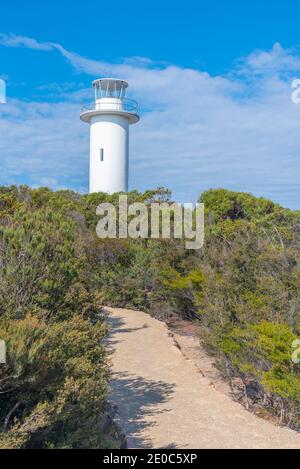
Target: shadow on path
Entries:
(136, 398)
(116, 325)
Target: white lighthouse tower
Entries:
(109, 121)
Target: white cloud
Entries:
(197, 131)
(274, 61)
(12, 40)
(42, 141)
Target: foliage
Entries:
(263, 352)
(54, 378)
(55, 275)
(53, 386)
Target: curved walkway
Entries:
(163, 402)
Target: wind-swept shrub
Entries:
(54, 379)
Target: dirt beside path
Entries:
(165, 402)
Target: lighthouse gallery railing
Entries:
(123, 104)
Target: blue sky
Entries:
(213, 80)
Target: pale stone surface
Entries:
(165, 402)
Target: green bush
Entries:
(54, 379)
(53, 386)
(263, 352)
(55, 275)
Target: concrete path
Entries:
(164, 402)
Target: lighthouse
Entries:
(109, 120)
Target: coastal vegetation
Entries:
(56, 275)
